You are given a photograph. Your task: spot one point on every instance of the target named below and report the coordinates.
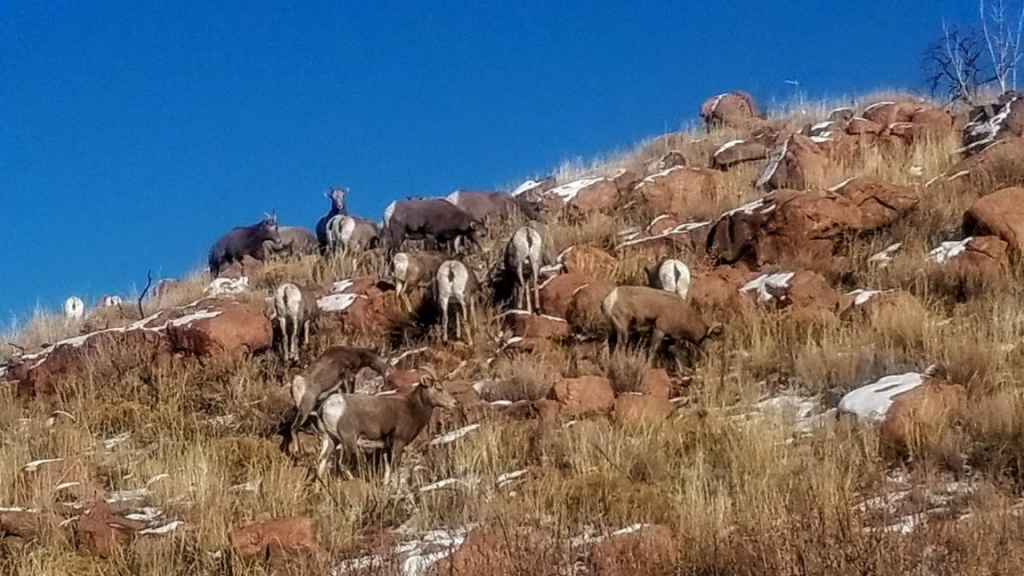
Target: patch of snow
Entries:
(341, 286)
(877, 105)
(567, 192)
(442, 484)
(861, 296)
(337, 302)
(35, 464)
(361, 565)
(726, 146)
(884, 257)
(948, 250)
(65, 486)
(841, 185)
(453, 435)
(658, 219)
(222, 286)
(122, 496)
(870, 403)
(525, 187)
(508, 478)
(766, 282)
(822, 138)
(775, 158)
(821, 126)
(394, 361)
(161, 530)
(146, 514)
(748, 208)
(658, 176)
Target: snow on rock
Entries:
(526, 187)
(341, 286)
(948, 250)
(337, 302)
(871, 402)
(225, 286)
(661, 175)
(775, 158)
(726, 146)
(861, 296)
(764, 284)
(883, 258)
(568, 192)
(453, 435)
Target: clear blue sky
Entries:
(133, 134)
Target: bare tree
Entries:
(1002, 37)
(954, 64)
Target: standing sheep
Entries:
(337, 197)
(74, 308)
(335, 368)
(671, 276)
(413, 270)
(350, 233)
(525, 246)
(455, 280)
(431, 219)
(394, 419)
(294, 309)
(643, 309)
(243, 241)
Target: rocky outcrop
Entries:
(998, 214)
(275, 539)
(583, 397)
(732, 109)
(678, 191)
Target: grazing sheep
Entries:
(294, 309)
(350, 233)
(294, 240)
(525, 246)
(337, 198)
(455, 280)
(74, 308)
(671, 276)
(432, 219)
(244, 241)
(335, 368)
(483, 205)
(639, 308)
(411, 270)
(394, 419)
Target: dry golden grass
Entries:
(745, 497)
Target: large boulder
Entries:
(557, 293)
(280, 538)
(103, 533)
(998, 214)
(631, 407)
(797, 164)
(887, 113)
(993, 122)
(589, 261)
(525, 325)
(971, 265)
(648, 550)
(737, 152)
(209, 327)
(928, 406)
(732, 109)
(678, 191)
(718, 291)
(880, 203)
(583, 397)
(586, 196)
(230, 326)
(996, 161)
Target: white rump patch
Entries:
(389, 212)
(870, 403)
(948, 250)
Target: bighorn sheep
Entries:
(109, 302)
(434, 219)
(243, 241)
(641, 308)
(525, 246)
(335, 368)
(337, 197)
(414, 270)
(293, 240)
(671, 276)
(294, 309)
(350, 233)
(74, 308)
(455, 280)
(394, 419)
(483, 205)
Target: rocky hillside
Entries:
(860, 411)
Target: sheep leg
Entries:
(657, 335)
(470, 313)
(535, 269)
(303, 409)
(305, 333)
(295, 339)
(282, 321)
(621, 334)
(348, 446)
(397, 447)
(521, 290)
(326, 449)
(444, 322)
